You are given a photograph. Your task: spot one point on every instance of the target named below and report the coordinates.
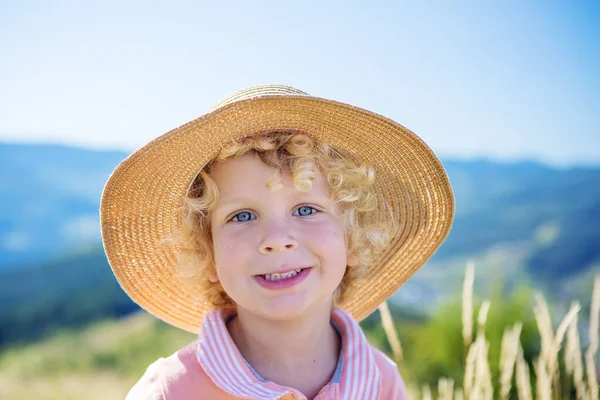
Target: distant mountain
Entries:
(555, 213)
(49, 198)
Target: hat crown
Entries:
(258, 91)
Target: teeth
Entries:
(276, 277)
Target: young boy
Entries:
(293, 217)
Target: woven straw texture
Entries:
(141, 201)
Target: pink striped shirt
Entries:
(213, 368)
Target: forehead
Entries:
(248, 164)
(250, 175)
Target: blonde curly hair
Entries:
(368, 223)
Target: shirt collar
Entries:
(224, 364)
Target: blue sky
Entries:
(517, 80)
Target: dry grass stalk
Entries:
(426, 392)
(560, 335)
(467, 329)
(546, 359)
(543, 379)
(478, 381)
(508, 357)
(523, 377)
(572, 346)
(573, 362)
(544, 323)
(552, 361)
(445, 389)
(546, 366)
(590, 354)
(483, 374)
(467, 303)
(390, 331)
(469, 377)
(482, 317)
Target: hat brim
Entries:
(141, 202)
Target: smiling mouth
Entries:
(287, 275)
(284, 275)
(280, 281)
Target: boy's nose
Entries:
(276, 242)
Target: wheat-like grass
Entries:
(590, 354)
(573, 362)
(469, 375)
(522, 376)
(483, 377)
(477, 383)
(390, 331)
(544, 363)
(508, 358)
(426, 393)
(445, 389)
(467, 305)
(544, 323)
(467, 330)
(482, 316)
(543, 379)
(567, 321)
(484, 368)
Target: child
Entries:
(294, 217)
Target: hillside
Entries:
(69, 292)
(49, 199)
(555, 213)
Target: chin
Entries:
(289, 307)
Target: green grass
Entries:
(102, 361)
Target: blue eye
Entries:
(305, 211)
(243, 216)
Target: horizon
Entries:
(510, 81)
(445, 159)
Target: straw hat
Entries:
(142, 198)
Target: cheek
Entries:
(328, 230)
(229, 246)
(224, 256)
(223, 241)
(221, 250)
(330, 240)
(327, 236)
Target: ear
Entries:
(214, 278)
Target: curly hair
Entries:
(367, 221)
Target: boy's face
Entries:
(258, 231)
